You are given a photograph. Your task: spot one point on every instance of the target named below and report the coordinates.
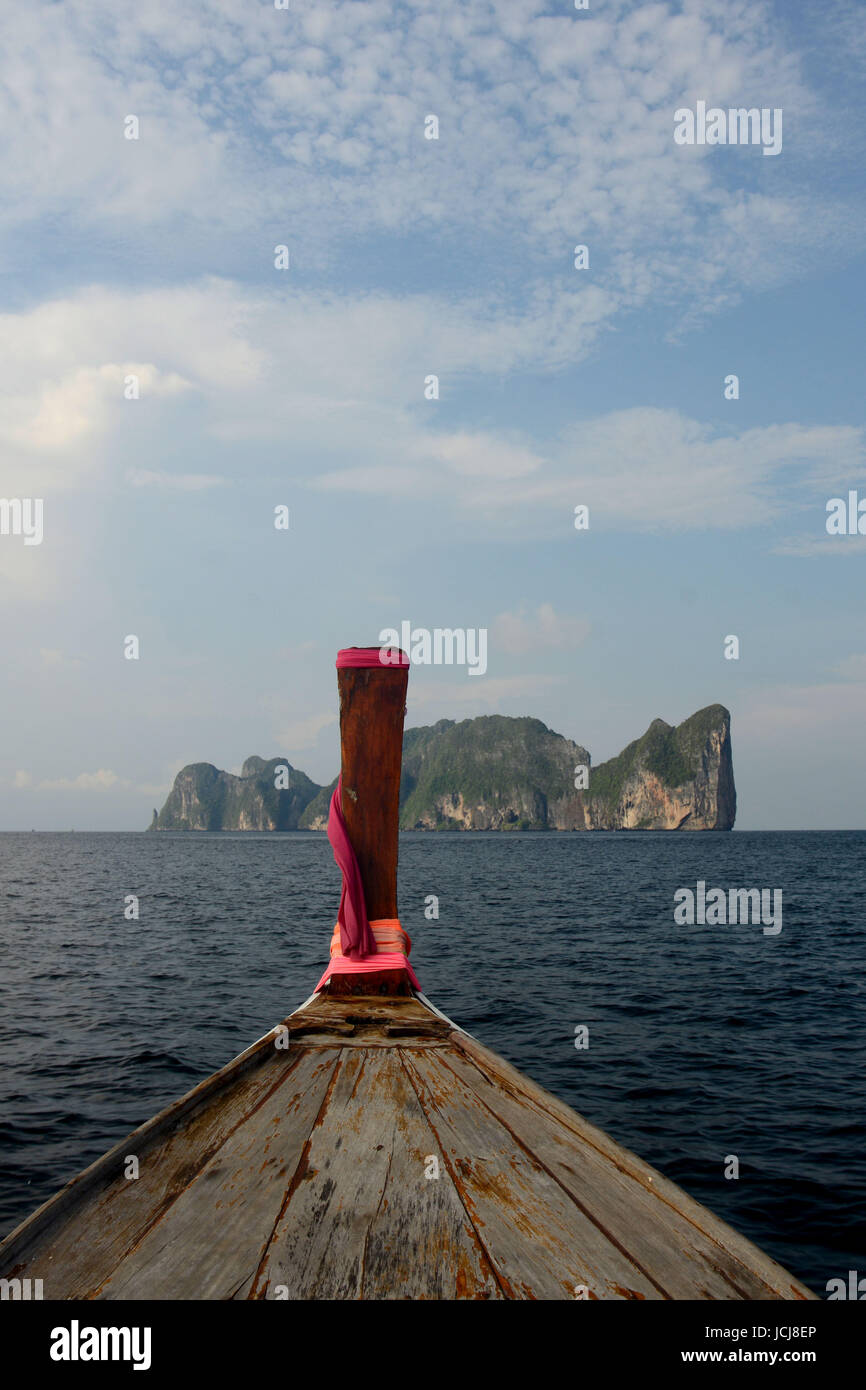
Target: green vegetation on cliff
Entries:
(316, 811)
(205, 798)
(492, 773)
(508, 770)
(671, 754)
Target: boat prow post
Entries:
(372, 684)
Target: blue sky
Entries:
(305, 127)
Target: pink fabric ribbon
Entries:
(356, 939)
(385, 960)
(391, 953)
(371, 656)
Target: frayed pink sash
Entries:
(356, 939)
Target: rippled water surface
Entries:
(704, 1041)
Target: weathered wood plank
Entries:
(116, 1211)
(702, 1223)
(363, 1221)
(539, 1241)
(213, 1235)
(681, 1257)
(369, 1038)
(374, 982)
(367, 1022)
(395, 1011)
(421, 1244)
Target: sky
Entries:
(153, 260)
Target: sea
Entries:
(693, 1045)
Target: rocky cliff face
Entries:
(670, 779)
(315, 816)
(489, 773)
(205, 798)
(494, 773)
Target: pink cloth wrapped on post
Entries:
(359, 946)
(356, 939)
(391, 952)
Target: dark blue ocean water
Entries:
(704, 1041)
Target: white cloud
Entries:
(806, 547)
(259, 126)
(73, 408)
(768, 716)
(342, 376)
(173, 482)
(55, 660)
(644, 469)
(99, 781)
(524, 631)
(653, 469)
(303, 733)
(380, 479)
(854, 667)
(487, 692)
(157, 789)
(483, 456)
(338, 374)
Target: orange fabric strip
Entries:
(393, 945)
(388, 935)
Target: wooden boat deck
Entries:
(301, 1172)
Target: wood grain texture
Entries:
(364, 1221)
(372, 707)
(777, 1281)
(306, 1173)
(540, 1242)
(365, 1022)
(376, 982)
(680, 1257)
(212, 1238)
(115, 1211)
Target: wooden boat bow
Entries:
(367, 1147)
